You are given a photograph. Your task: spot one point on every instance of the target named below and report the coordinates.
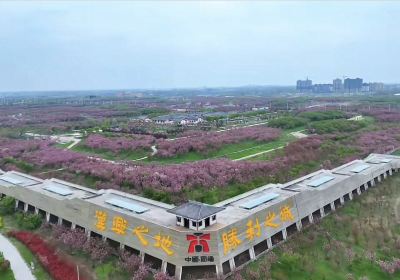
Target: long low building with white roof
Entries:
(196, 239)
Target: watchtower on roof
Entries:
(195, 215)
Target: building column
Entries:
(219, 270)
(311, 218)
(26, 207)
(16, 203)
(284, 234)
(384, 175)
(103, 238)
(88, 232)
(322, 212)
(358, 191)
(164, 266)
(299, 225)
(141, 255)
(73, 226)
(59, 222)
(351, 195)
(269, 242)
(252, 253)
(372, 182)
(366, 186)
(379, 178)
(121, 246)
(178, 272)
(390, 172)
(36, 211)
(333, 207)
(47, 217)
(341, 200)
(232, 264)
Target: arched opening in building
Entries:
(155, 263)
(277, 237)
(242, 258)
(260, 247)
(292, 229)
(305, 221)
(199, 272)
(327, 209)
(316, 216)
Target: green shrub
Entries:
(28, 221)
(4, 264)
(7, 205)
(334, 126)
(287, 122)
(322, 115)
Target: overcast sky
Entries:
(114, 45)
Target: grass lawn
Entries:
(63, 146)
(345, 245)
(396, 153)
(110, 270)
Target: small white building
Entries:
(195, 215)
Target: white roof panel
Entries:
(359, 168)
(127, 205)
(11, 180)
(259, 200)
(320, 181)
(58, 190)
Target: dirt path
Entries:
(259, 153)
(74, 143)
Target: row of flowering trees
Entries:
(199, 141)
(207, 174)
(168, 178)
(383, 115)
(119, 144)
(380, 141)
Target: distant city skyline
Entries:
(156, 45)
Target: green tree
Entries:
(7, 205)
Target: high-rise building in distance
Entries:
(304, 85)
(353, 85)
(337, 85)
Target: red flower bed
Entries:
(59, 269)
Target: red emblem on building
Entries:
(198, 243)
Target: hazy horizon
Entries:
(63, 46)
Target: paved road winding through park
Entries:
(18, 265)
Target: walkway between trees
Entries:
(19, 267)
(260, 153)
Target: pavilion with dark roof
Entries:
(195, 215)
